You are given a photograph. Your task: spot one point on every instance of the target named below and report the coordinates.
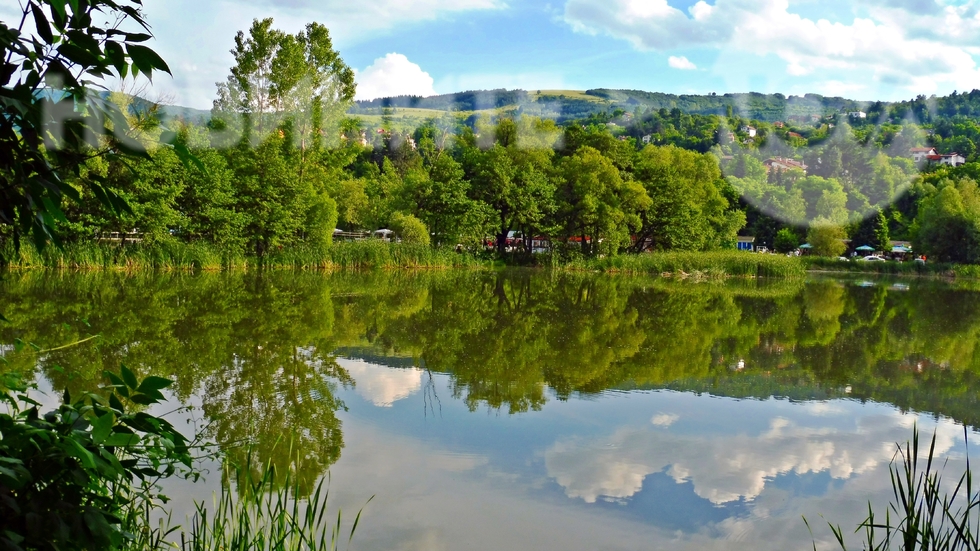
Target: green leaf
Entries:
(102, 427)
(2, 318)
(76, 450)
(129, 377)
(137, 37)
(154, 383)
(143, 399)
(115, 404)
(116, 381)
(146, 59)
(41, 24)
(121, 440)
(116, 55)
(78, 55)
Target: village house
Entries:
(930, 155)
(646, 139)
(778, 124)
(750, 130)
(919, 154)
(857, 115)
(782, 163)
(794, 135)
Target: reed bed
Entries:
(178, 256)
(266, 515)
(714, 264)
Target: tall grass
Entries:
(266, 515)
(167, 256)
(923, 516)
(704, 264)
(179, 256)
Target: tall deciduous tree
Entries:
(687, 209)
(595, 203)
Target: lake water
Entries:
(526, 410)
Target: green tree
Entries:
(949, 223)
(786, 241)
(280, 78)
(826, 237)
(882, 237)
(686, 209)
(595, 203)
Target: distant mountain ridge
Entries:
(570, 104)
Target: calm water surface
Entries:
(524, 410)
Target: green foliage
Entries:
(74, 478)
(826, 237)
(265, 516)
(50, 113)
(786, 241)
(949, 223)
(687, 209)
(410, 229)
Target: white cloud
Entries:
(393, 75)
(727, 467)
(195, 37)
(891, 45)
(664, 419)
(380, 385)
(681, 62)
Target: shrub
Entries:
(410, 228)
(77, 477)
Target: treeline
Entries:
(279, 166)
(475, 100)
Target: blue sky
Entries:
(869, 49)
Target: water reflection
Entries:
(603, 392)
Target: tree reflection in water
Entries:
(258, 349)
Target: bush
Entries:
(83, 477)
(410, 229)
(786, 241)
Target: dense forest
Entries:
(284, 161)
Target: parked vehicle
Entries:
(873, 258)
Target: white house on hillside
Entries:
(750, 130)
(857, 115)
(920, 154)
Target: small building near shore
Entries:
(745, 243)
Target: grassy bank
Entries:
(177, 256)
(696, 264)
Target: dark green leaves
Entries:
(146, 60)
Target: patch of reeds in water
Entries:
(267, 515)
(923, 516)
(711, 264)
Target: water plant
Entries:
(924, 514)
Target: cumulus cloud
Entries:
(920, 47)
(681, 62)
(380, 385)
(393, 75)
(727, 467)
